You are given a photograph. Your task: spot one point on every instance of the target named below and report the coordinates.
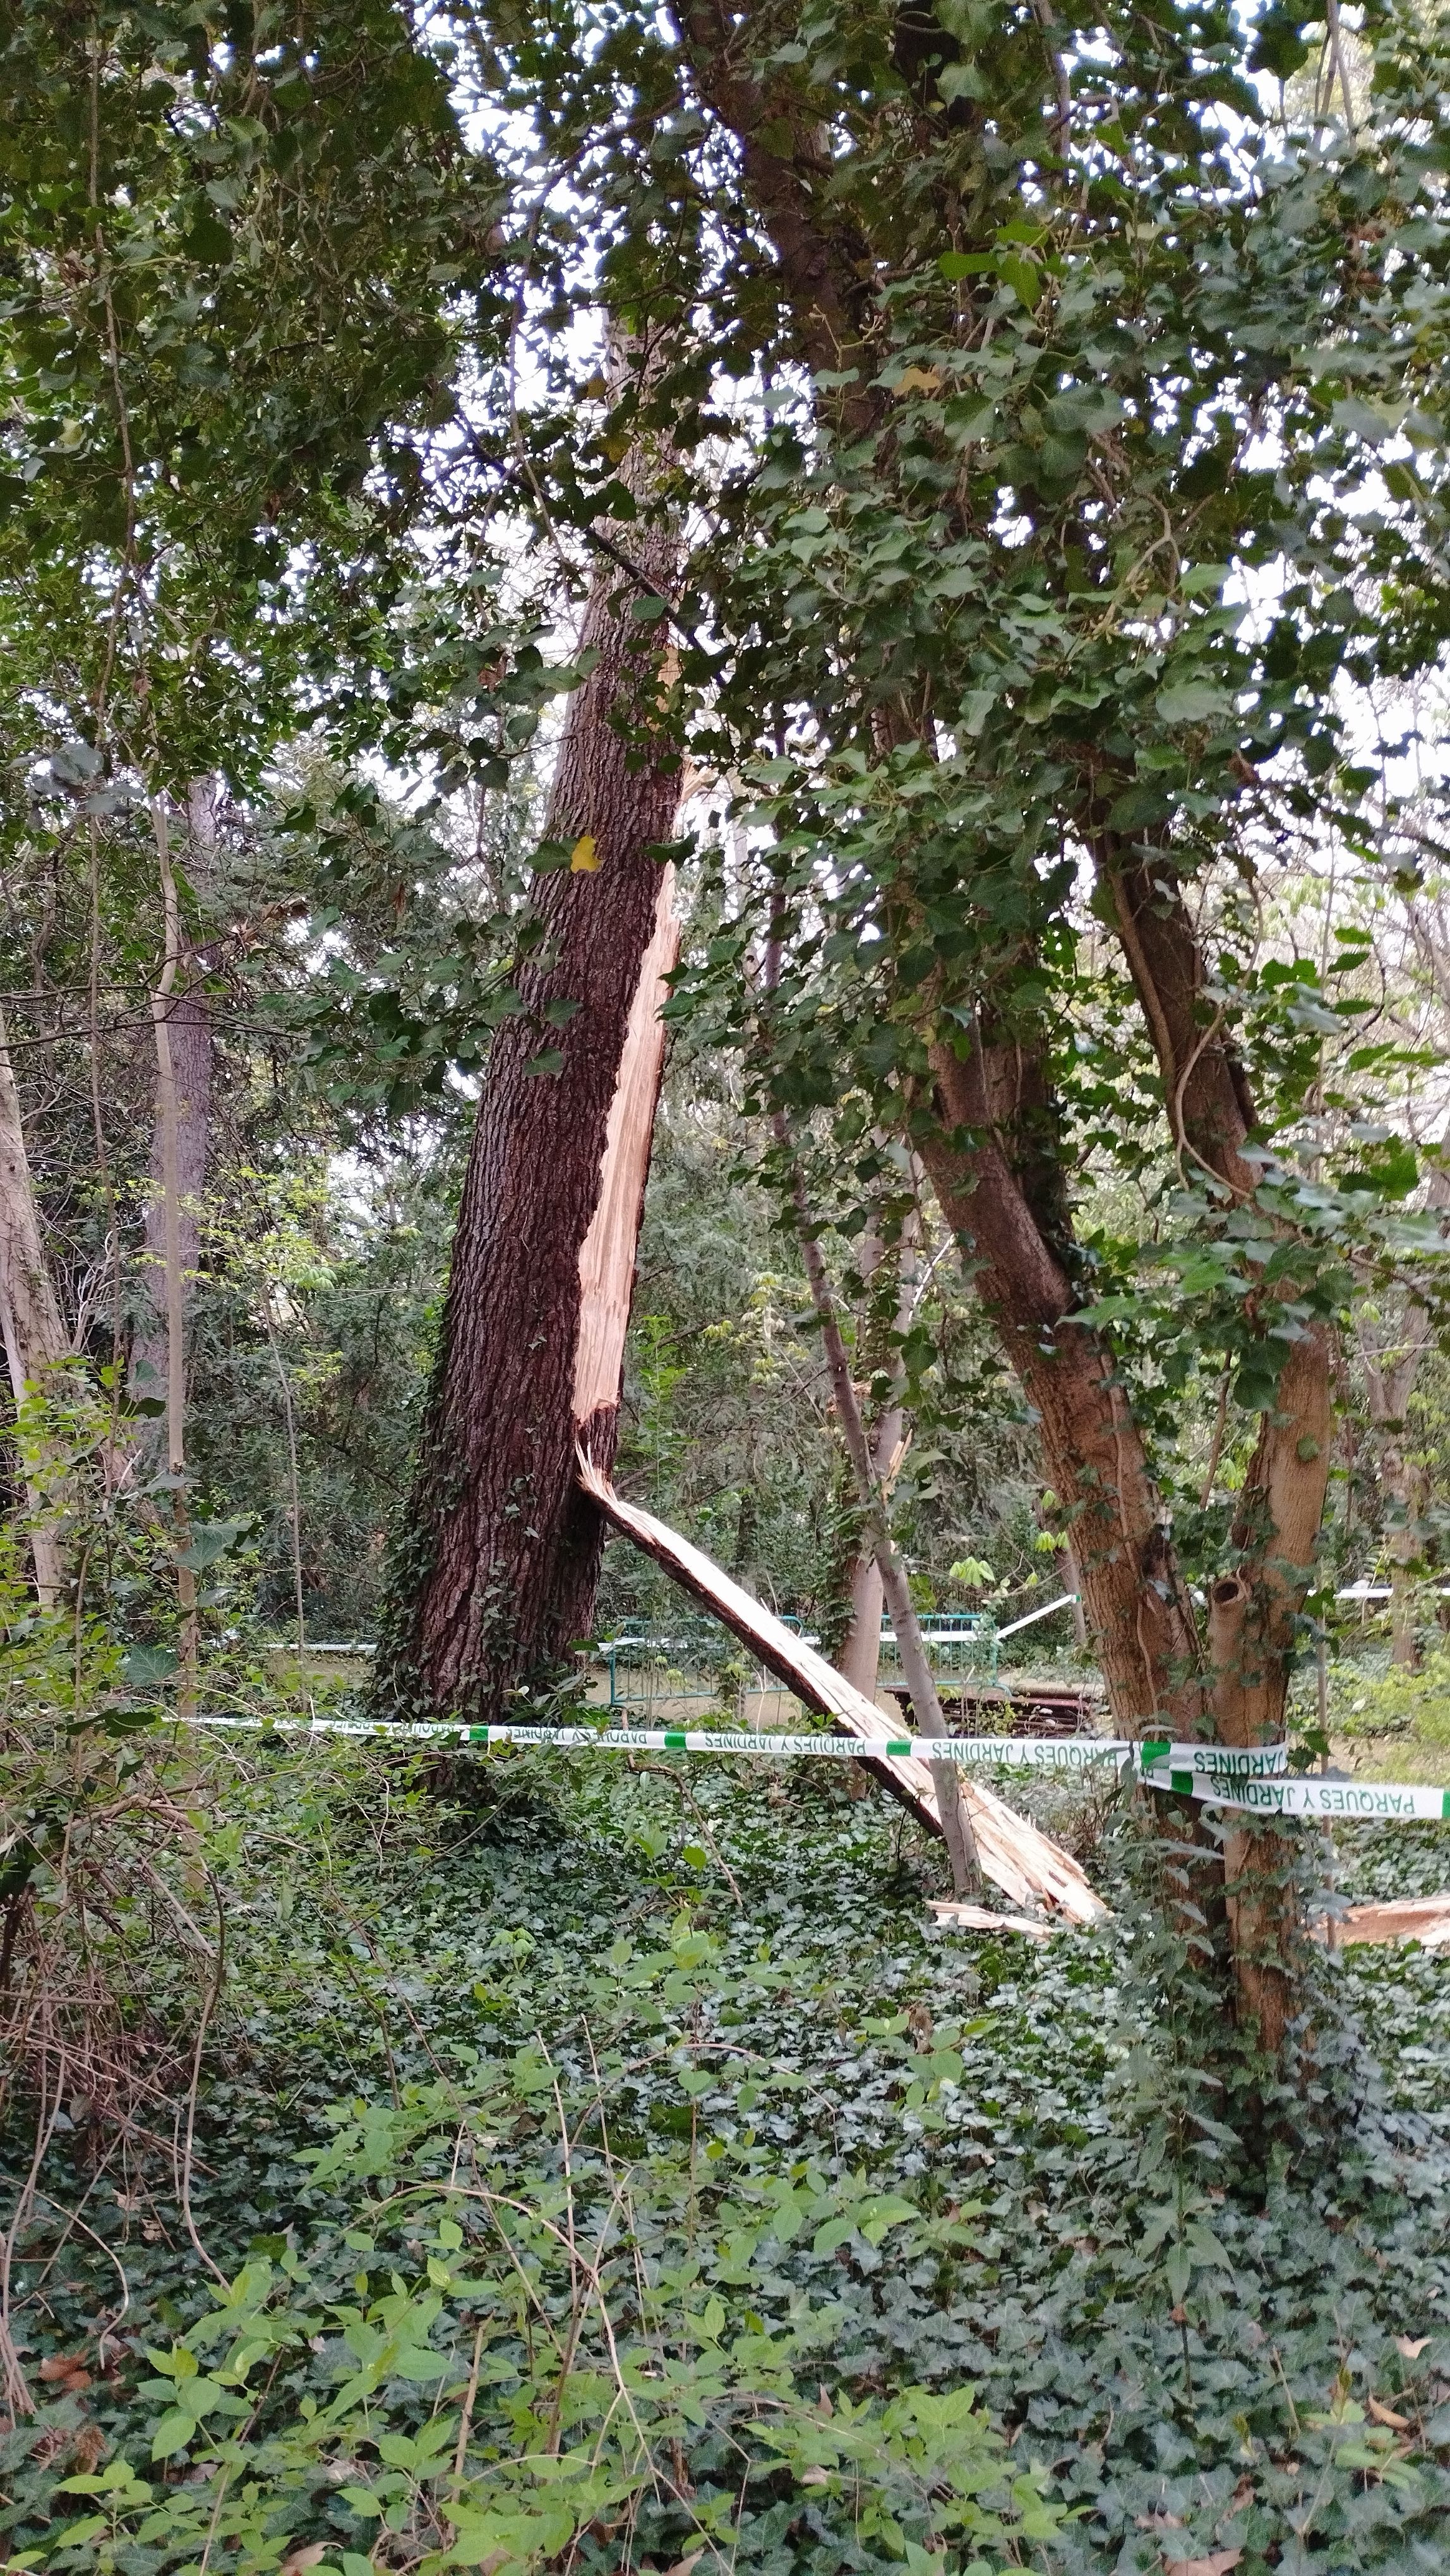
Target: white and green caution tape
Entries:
(1213, 1761)
(1308, 1797)
(1014, 1752)
(1252, 1779)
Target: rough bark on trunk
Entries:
(495, 1575)
(35, 1340)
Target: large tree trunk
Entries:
(495, 1574)
(35, 1340)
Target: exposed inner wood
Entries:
(1026, 1864)
(957, 1915)
(607, 1253)
(1399, 1918)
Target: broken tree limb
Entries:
(607, 1254)
(1425, 1919)
(1026, 1864)
(956, 1916)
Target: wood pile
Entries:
(1031, 1708)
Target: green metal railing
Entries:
(961, 1645)
(696, 1662)
(693, 1662)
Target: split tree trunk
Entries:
(494, 1577)
(35, 1340)
(1027, 1865)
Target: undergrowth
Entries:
(628, 2175)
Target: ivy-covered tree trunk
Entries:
(984, 1122)
(982, 1142)
(495, 1570)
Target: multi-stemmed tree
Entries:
(1032, 569)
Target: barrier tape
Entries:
(1252, 1779)
(1307, 1797)
(1050, 1753)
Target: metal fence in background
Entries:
(694, 1662)
(961, 1646)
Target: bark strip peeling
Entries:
(1027, 1865)
(607, 1253)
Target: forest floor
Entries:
(851, 2166)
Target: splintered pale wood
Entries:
(1027, 1865)
(1402, 1918)
(607, 1253)
(958, 1916)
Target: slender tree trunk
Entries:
(860, 1655)
(1404, 1482)
(1391, 1362)
(35, 1341)
(168, 1145)
(926, 1706)
(495, 1573)
(1079, 1615)
(860, 1658)
(182, 1130)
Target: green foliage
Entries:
(967, 2189)
(1395, 1702)
(607, 2300)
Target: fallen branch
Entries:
(1026, 1864)
(1425, 1919)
